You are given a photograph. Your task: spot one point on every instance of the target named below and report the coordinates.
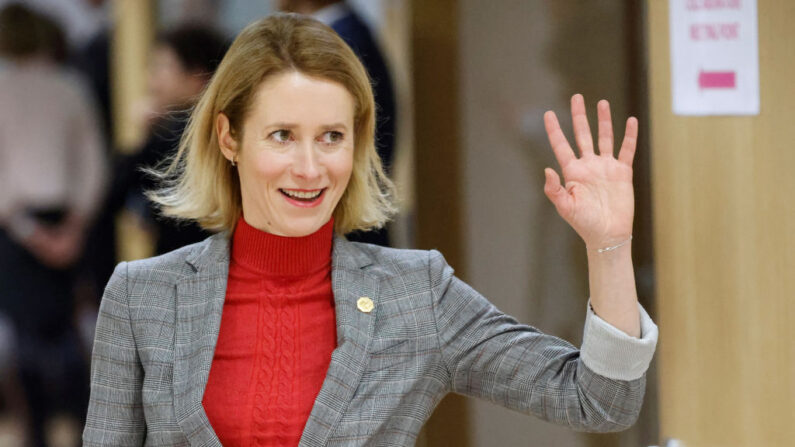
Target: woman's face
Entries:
(295, 155)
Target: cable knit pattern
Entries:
(277, 334)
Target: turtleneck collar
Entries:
(281, 255)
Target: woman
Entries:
(277, 331)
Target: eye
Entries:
(332, 137)
(280, 136)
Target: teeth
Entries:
(302, 194)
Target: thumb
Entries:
(556, 193)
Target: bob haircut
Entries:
(200, 184)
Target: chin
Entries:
(303, 227)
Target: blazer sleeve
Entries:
(115, 412)
(490, 355)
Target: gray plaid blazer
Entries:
(428, 334)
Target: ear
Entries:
(226, 141)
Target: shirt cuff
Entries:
(612, 353)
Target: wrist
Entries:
(609, 245)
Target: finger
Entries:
(560, 146)
(582, 132)
(627, 152)
(556, 193)
(605, 128)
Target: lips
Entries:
(303, 197)
(302, 194)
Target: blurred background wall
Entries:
(517, 60)
(724, 234)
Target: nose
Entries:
(305, 163)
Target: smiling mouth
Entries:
(303, 195)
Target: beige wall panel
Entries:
(724, 222)
(434, 60)
(519, 58)
(130, 45)
(131, 41)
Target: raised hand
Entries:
(598, 198)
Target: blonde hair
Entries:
(200, 184)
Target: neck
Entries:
(272, 254)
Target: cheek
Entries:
(341, 169)
(255, 184)
(267, 168)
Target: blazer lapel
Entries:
(200, 302)
(349, 282)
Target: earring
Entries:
(234, 158)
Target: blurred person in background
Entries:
(52, 175)
(183, 61)
(345, 22)
(91, 57)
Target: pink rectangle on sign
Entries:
(717, 79)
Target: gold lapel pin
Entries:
(365, 304)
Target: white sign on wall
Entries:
(714, 57)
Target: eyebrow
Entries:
(285, 125)
(335, 126)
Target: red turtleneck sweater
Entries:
(276, 338)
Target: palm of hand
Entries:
(598, 198)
